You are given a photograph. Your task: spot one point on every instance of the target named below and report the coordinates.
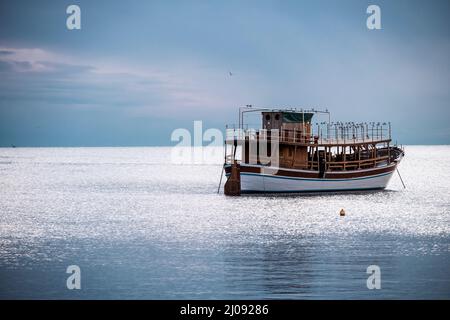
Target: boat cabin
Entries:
(302, 144)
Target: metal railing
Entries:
(322, 135)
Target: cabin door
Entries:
(321, 165)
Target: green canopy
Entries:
(297, 117)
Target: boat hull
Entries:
(255, 180)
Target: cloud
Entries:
(180, 90)
(6, 52)
(26, 60)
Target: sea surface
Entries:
(142, 226)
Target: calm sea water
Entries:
(140, 227)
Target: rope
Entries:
(401, 178)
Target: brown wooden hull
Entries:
(262, 179)
(245, 168)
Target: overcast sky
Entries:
(137, 70)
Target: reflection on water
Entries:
(139, 227)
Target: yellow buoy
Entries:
(342, 213)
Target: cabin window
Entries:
(267, 117)
(277, 117)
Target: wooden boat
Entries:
(290, 154)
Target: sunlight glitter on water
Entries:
(61, 203)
